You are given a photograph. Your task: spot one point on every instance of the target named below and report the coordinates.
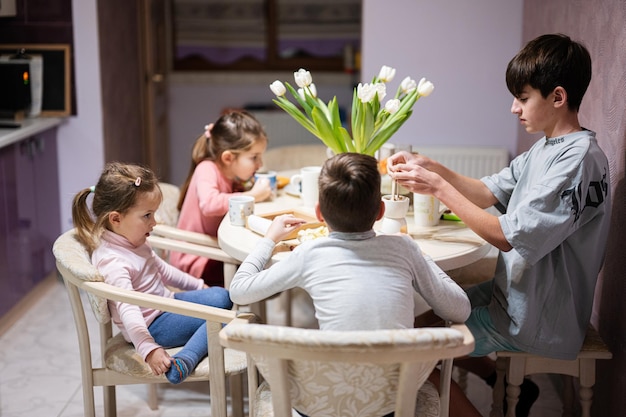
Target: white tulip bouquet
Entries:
(372, 123)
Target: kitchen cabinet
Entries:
(29, 208)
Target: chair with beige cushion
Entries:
(346, 373)
(120, 363)
(516, 365)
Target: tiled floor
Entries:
(40, 375)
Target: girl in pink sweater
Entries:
(225, 157)
(115, 231)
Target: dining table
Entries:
(451, 244)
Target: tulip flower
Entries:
(303, 78)
(386, 74)
(278, 88)
(392, 106)
(407, 85)
(424, 88)
(371, 123)
(365, 92)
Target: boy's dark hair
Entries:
(547, 62)
(349, 192)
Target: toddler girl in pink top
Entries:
(227, 155)
(115, 230)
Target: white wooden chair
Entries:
(120, 363)
(516, 365)
(347, 374)
(167, 237)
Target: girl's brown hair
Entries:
(236, 131)
(117, 190)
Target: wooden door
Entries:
(154, 18)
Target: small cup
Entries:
(394, 219)
(239, 208)
(425, 210)
(306, 181)
(271, 177)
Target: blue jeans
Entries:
(172, 330)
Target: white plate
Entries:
(292, 189)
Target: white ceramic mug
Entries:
(425, 210)
(394, 219)
(306, 181)
(271, 177)
(239, 208)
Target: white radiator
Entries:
(472, 161)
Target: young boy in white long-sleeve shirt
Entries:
(358, 280)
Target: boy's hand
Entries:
(283, 225)
(159, 361)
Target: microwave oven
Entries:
(15, 86)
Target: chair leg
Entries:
(235, 385)
(444, 387)
(89, 406)
(514, 379)
(153, 397)
(512, 398)
(498, 389)
(110, 407)
(587, 379)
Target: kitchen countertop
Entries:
(29, 127)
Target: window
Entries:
(260, 35)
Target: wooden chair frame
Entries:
(79, 274)
(278, 346)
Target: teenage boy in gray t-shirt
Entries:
(555, 202)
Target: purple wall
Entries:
(463, 48)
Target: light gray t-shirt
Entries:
(358, 281)
(556, 202)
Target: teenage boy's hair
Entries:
(547, 62)
(349, 192)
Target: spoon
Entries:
(394, 190)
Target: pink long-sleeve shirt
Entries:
(139, 269)
(205, 205)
